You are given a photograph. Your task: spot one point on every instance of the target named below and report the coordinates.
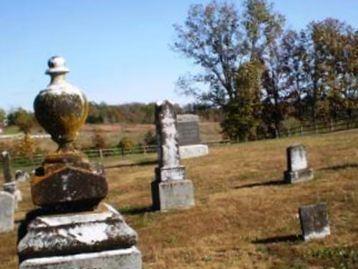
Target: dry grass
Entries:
(113, 133)
(243, 217)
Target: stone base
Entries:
(70, 234)
(193, 151)
(172, 194)
(298, 176)
(170, 173)
(129, 258)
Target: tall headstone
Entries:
(6, 166)
(190, 145)
(9, 184)
(72, 228)
(7, 211)
(297, 165)
(314, 221)
(170, 189)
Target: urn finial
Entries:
(61, 108)
(57, 65)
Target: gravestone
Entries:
(170, 189)
(297, 165)
(188, 129)
(21, 176)
(190, 145)
(6, 166)
(9, 185)
(314, 221)
(7, 211)
(72, 227)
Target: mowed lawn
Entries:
(244, 217)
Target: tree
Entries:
(333, 69)
(219, 40)
(126, 144)
(98, 140)
(22, 119)
(212, 38)
(242, 116)
(2, 116)
(295, 55)
(150, 138)
(262, 27)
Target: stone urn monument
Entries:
(66, 179)
(71, 228)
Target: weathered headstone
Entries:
(297, 165)
(7, 211)
(21, 176)
(10, 184)
(190, 145)
(6, 166)
(170, 189)
(72, 229)
(314, 221)
(188, 129)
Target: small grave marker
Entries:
(297, 165)
(314, 221)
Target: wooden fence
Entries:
(101, 154)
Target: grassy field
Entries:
(244, 217)
(112, 134)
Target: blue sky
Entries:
(117, 50)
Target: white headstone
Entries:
(7, 211)
(297, 158)
(167, 135)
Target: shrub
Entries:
(126, 143)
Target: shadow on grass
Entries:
(263, 184)
(279, 239)
(136, 210)
(143, 163)
(340, 167)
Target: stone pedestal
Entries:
(193, 151)
(7, 211)
(68, 181)
(314, 221)
(172, 194)
(56, 240)
(129, 258)
(297, 165)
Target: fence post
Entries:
(101, 154)
(122, 152)
(301, 130)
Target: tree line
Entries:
(102, 113)
(260, 74)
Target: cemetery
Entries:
(259, 170)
